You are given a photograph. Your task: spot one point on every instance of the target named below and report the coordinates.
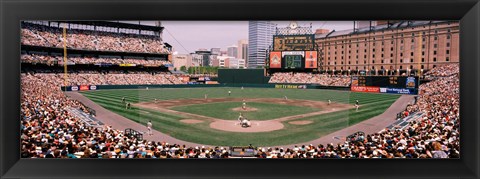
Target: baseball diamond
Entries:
(218, 126)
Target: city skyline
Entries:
(221, 34)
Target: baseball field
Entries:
(279, 116)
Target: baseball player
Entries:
(240, 118)
(329, 102)
(357, 105)
(244, 105)
(127, 105)
(206, 96)
(229, 93)
(123, 99)
(149, 127)
(242, 87)
(155, 100)
(285, 97)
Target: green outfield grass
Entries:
(372, 105)
(264, 111)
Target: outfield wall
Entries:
(239, 85)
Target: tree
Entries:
(183, 68)
(175, 69)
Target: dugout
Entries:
(246, 76)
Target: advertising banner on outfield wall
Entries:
(397, 90)
(292, 86)
(84, 88)
(367, 89)
(310, 59)
(275, 60)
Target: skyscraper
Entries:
(242, 49)
(232, 51)
(260, 37)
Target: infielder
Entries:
(206, 96)
(229, 93)
(285, 97)
(329, 102)
(155, 100)
(149, 127)
(356, 105)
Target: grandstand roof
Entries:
(397, 25)
(115, 24)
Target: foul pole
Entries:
(65, 75)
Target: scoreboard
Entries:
(293, 61)
(386, 81)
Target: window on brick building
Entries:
(434, 52)
(447, 59)
(448, 52)
(448, 44)
(434, 59)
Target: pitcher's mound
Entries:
(300, 122)
(257, 126)
(191, 121)
(246, 109)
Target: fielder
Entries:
(357, 105)
(229, 93)
(155, 100)
(206, 96)
(127, 105)
(329, 102)
(149, 127)
(123, 99)
(285, 97)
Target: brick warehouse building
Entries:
(389, 47)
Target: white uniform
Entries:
(244, 105)
(149, 128)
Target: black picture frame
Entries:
(12, 12)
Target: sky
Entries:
(189, 36)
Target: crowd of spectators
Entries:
(309, 78)
(113, 78)
(42, 35)
(45, 59)
(444, 70)
(49, 131)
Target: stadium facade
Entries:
(389, 47)
(260, 36)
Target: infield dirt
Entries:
(233, 125)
